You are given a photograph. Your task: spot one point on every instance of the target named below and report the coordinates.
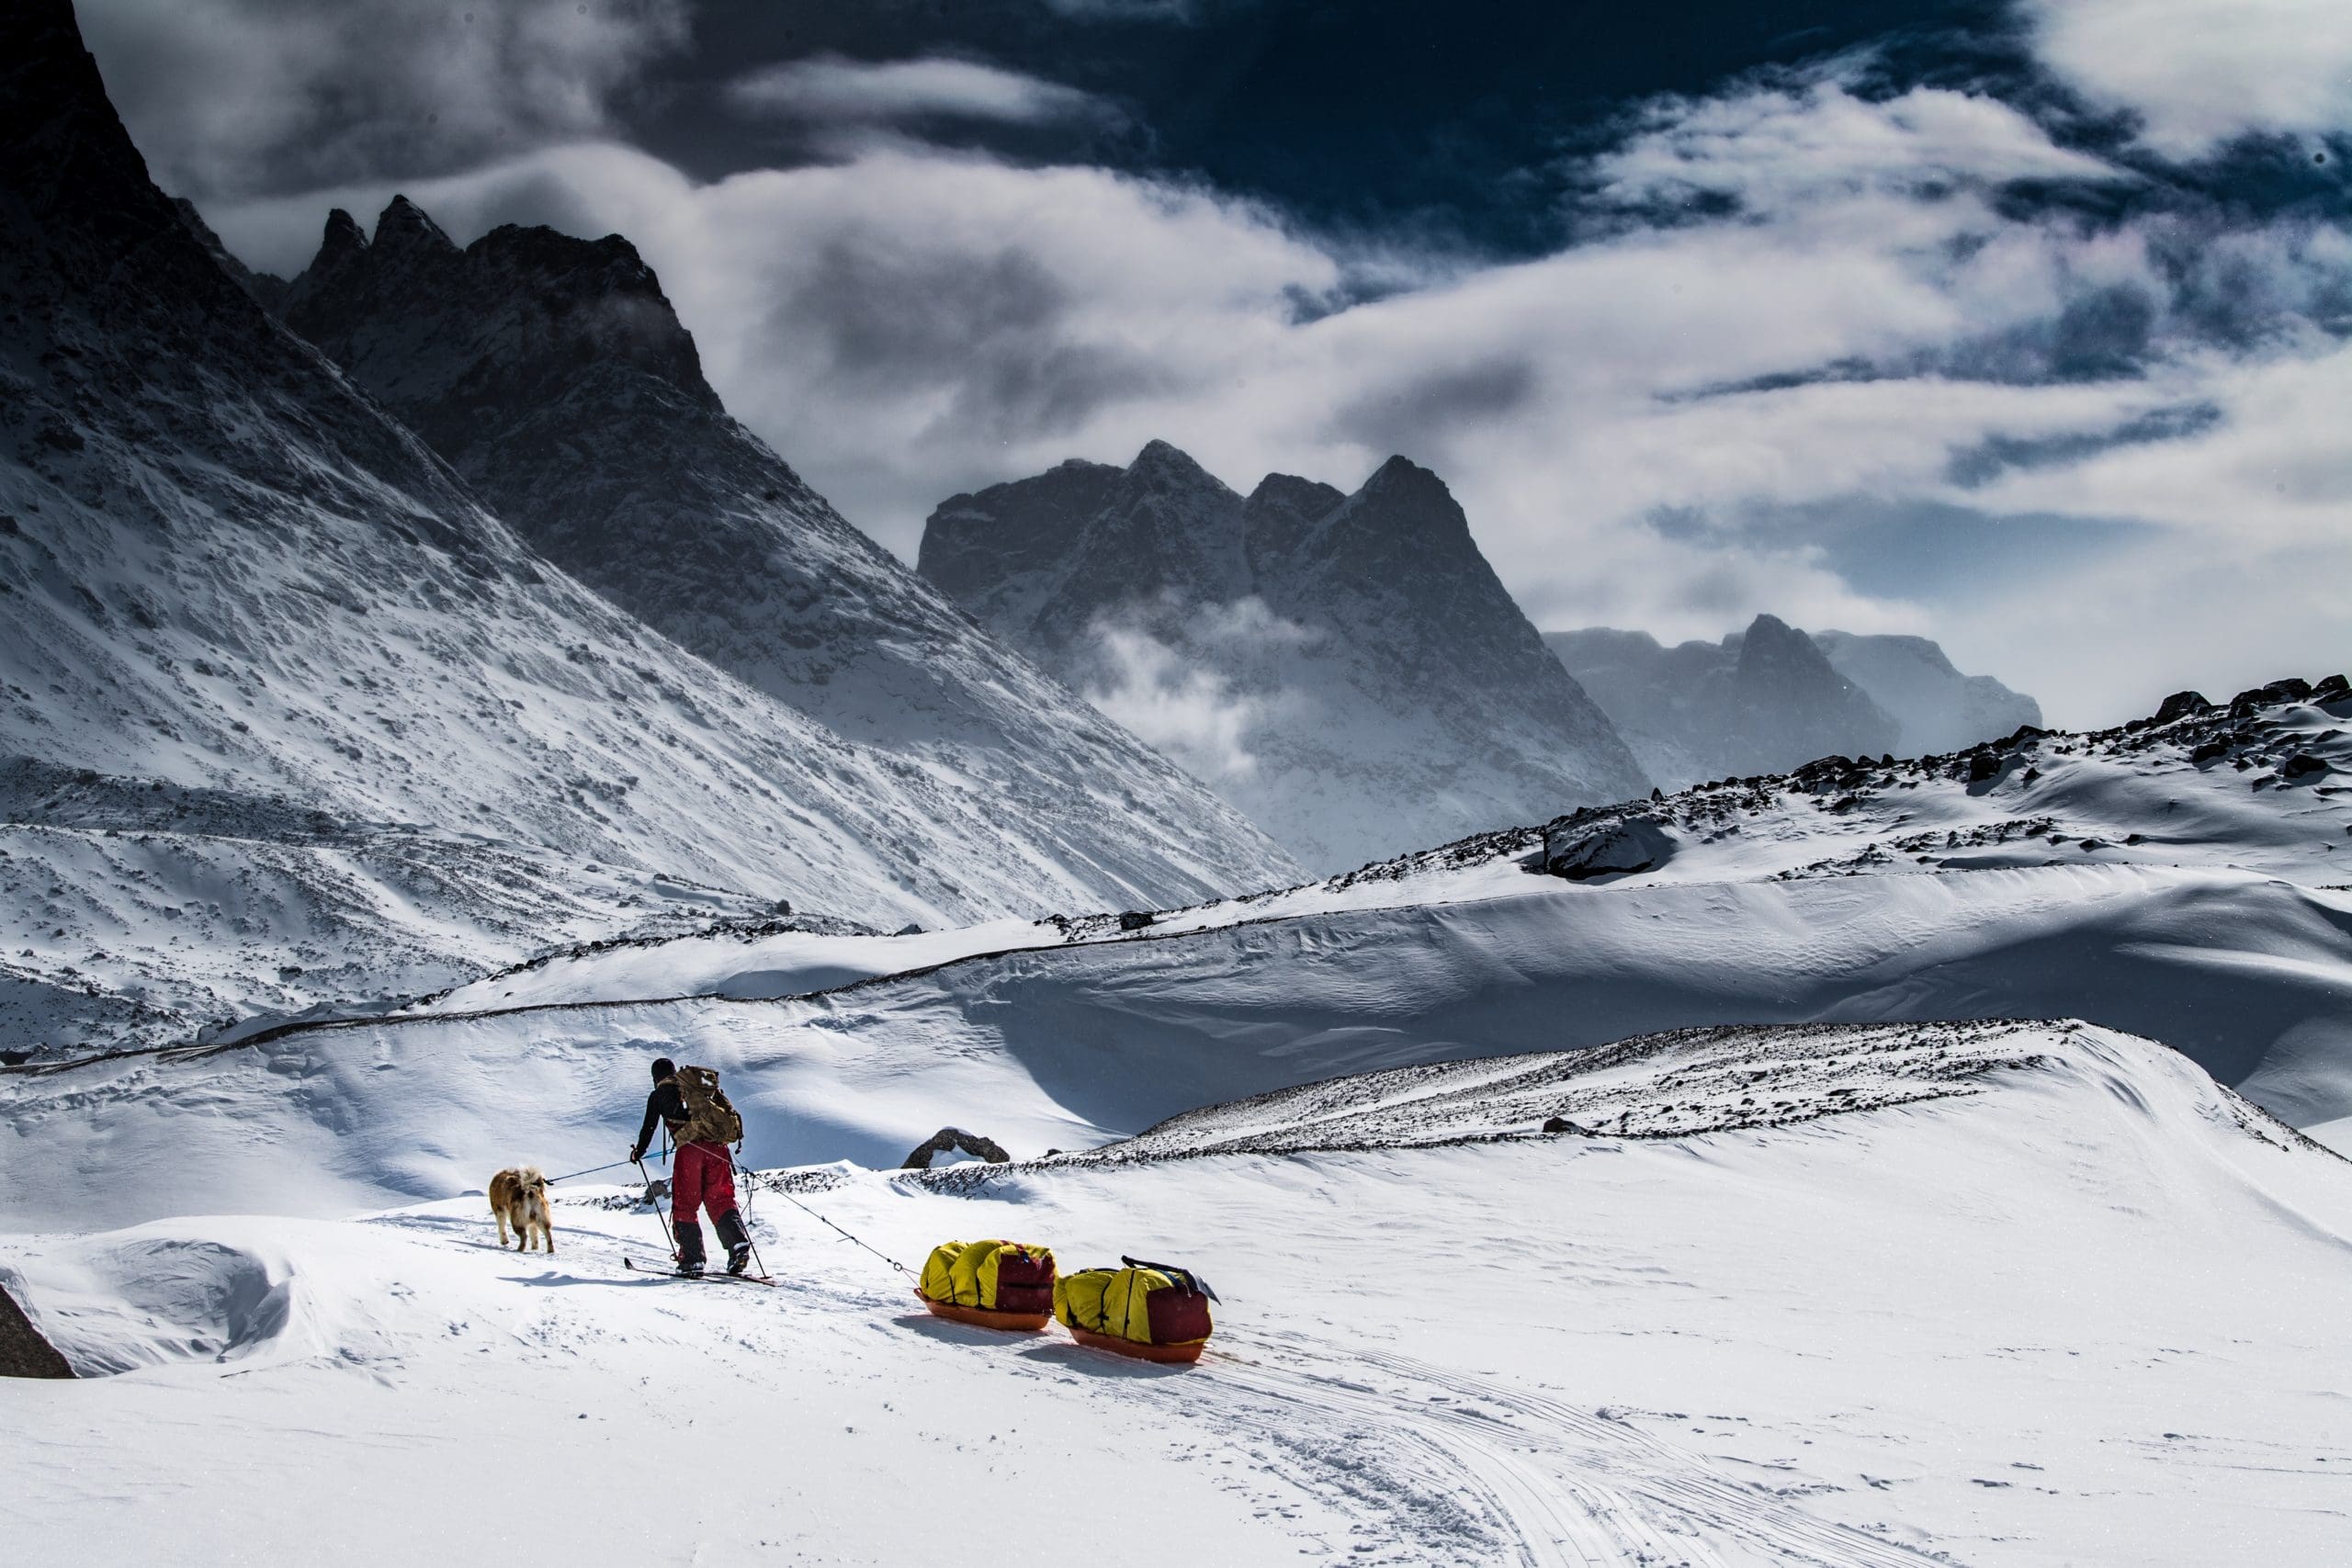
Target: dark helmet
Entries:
(664, 1069)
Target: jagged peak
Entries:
(403, 224)
(344, 236)
(1296, 493)
(1161, 468)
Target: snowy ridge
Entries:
(1670, 1085)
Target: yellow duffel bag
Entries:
(1154, 1312)
(996, 1284)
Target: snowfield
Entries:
(2066, 1303)
(1899, 892)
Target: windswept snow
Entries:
(2072, 1312)
(1837, 894)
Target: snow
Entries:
(2223, 933)
(2069, 1312)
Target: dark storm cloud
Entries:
(239, 98)
(1982, 464)
(988, 331)
(1425, 413)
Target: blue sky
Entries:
(2023, 325)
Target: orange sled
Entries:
(985, 1317)
(1178, 1354)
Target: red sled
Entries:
(987, 1317)
(1179, 1355)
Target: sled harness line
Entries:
(593, 1170)
(837, 1230)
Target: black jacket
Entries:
(664, 1104)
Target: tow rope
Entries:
(837, 1230)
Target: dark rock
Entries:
(2332, 688)
(2209, 750)
(23, 1352)
(909, 928)
(2180, 704)
(2290, 690)
(14, 1058)
(1983, 765)
(955, 1138)
(1580, 852)
(1562, 1124)
(1136, 919)
(2304, 765)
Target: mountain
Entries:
(1346, 669)
(553, 375)
(280, 679)
(1938, 709)
(1766, 699)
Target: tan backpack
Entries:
(711, 1116)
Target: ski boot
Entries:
(736, 1240)
(690, 1257)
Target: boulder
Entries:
(1607, 849)
(1136, 919)
(955, 1138)
(2181, 704)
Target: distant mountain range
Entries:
(1346, 669)
(1764, 700)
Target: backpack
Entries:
(711, 1116)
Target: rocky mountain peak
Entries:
(402, 225)
(344, 242)
(1370, 701)
(1162, 470)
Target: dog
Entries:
(519, 1197)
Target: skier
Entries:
(703, 1175)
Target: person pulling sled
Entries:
(702, 1125)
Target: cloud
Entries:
(1776, 150)
(1863, 318)
(234, 98)
(828, 88)
(2198, 73)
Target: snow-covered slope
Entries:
(1346, 669)
(225, 572)
(553, 375)
(1913, 893)
(2060, 1300)
(1766, 699)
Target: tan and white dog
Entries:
(519, 1197)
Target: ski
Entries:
(721, 1277)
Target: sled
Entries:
(1175, 1355)
(987, 1317)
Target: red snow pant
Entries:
(702, 1176)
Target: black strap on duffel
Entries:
(1192, 1281)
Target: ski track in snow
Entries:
(1445, 1465)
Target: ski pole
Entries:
(747, 1214)
(660, 1215)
